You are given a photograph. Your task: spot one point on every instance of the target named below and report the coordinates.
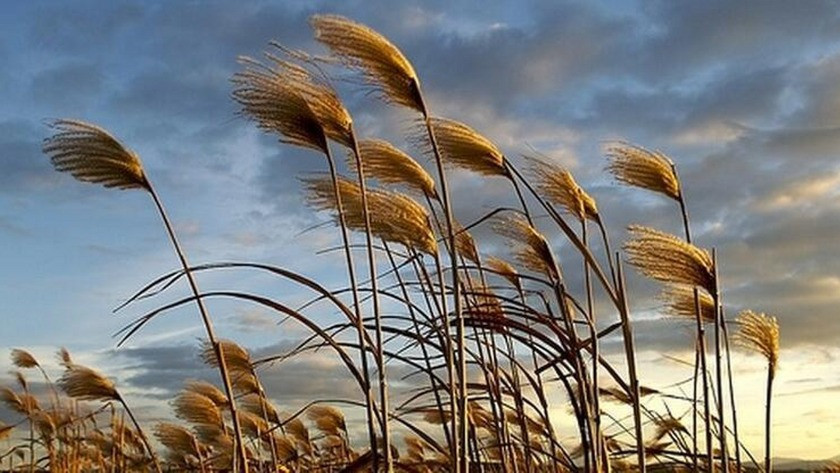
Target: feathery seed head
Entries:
(20, 403)
(505, 270)
(679, 300)
(316, 89)
(267, 96)
(639, 167)
(465, 243)
(559, 187)
(176, 438)
(64, 358)
(759, 332)
(669, 259)
(5, 431)
(383, 66)
(532, 249)
(208, 390)
(197, 409)
(23, 359)
(385, 162)
(328, 419)
(256, 404)
(393, 216)
(91, 154)
(462, 147)
(84, 383)
(237, 359)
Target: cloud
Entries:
(22, 165)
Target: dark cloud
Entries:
(68, 89)
(22, 165)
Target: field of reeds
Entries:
(495, 345)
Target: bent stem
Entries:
(140, 431)
(460, 440)
(211, 334)
(380, 344)
(360, 327)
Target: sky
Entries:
(743, 96)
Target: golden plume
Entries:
(532, 249)
(23, 359)
(462, 147)
(316, 90)
(64, 358)
(5, 431)
(759, 332)
(24, 404)
(252, 424)
(679, 300)
(237, 359)
(505, 270)
(265, 95)
(393, 216)
(328, 419)
(197, 409)
(637, 166)
(256, 404)
(177, 438)
(559, 187)
(84, 383)
(389, 165)
(465, 243)
(91, 154)
(669, 259)
(207, 390)
(382, 64)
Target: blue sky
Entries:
(742, 95)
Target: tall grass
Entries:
(493, 347)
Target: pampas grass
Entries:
(491, 391)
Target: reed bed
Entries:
(496, 346)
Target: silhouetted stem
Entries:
(360, 328)
(461, 438)
(142, 434)
(380, 360)
(768, 458)
(208, 325)
(630, 352)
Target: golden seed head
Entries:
(505, 270)
(394, 217)
(559, 187)
(639, 167)
(759, 332)
(390, 165)
(383, 66)
(267, 96)
(531, 247)
(91, 154)
(679, 301)
(23, 359)
(669, 259)
(84, 383)
(328, 419)
(462, 147)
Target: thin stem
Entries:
(719, 369)
(142, 434)
(208, 325)
(768, 459)
(630, 352)
(360, 327)
(463, 458)
(380, 359)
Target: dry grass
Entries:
(477, 393)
